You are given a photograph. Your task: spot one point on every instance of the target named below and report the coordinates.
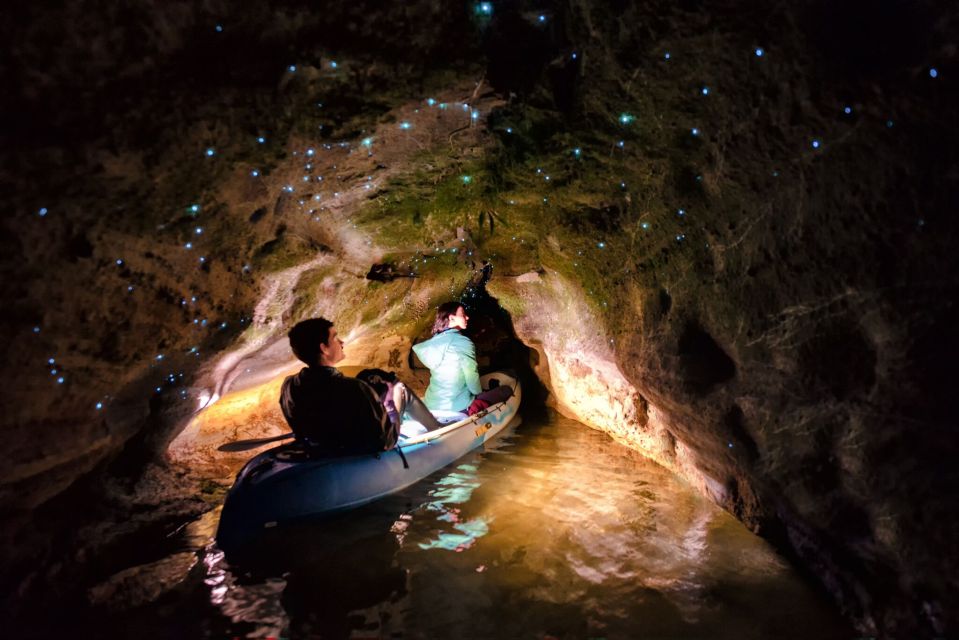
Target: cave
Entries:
(713, 241)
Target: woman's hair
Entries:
(306, 338)
(443, 313)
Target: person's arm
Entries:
(470, 371)
(290, 408)
(377, 428)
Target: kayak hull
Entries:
(284, 485)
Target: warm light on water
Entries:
(553, 531)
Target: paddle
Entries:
(246, 445)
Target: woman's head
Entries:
(450, 315)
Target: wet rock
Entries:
(142, 584)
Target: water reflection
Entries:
(553, 530)
(453, 489)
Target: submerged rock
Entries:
(140, 585)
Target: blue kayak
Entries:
(285, 484)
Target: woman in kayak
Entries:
(451, 358)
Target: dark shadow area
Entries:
(704, 364)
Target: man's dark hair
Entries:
(306, 338)
(443, 313)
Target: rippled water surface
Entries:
(552, 531)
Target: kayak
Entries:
(285, 484)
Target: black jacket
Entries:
(340, 416)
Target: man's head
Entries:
(315, 342)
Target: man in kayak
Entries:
(336, 414)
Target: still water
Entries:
(552, 531)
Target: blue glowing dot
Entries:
(367, 142)
(577, 152)
(574, 55)
(130, 288)
(847, 110)
(430, 101)
(667, 56)
(60, 380)
(485, 8)
(601, 245)
(405, 125)
(51, 361)
(933, 72)
(729, 444)
(305, 179)
(815, 144)
(759, 52)
(292, 68)
(694, 131)
(198, 230)
(680, 237)
(119, 261)
(475, 115)
(261, 139)
(288, 188)
(467, 179)
(644, 225)
(188, 245)
(542, 18)
(681, 212)
(210, 151)
(333, 64)
(42, 212)
(889, 123)
(160, 356)
(219, 29)
(202, 259)
(36, 329)
(194, 208)
(621, 144)
(705, 91)
(53, 372)
(255, 173)
(158, 389)
(626, 118)
(310, 152)
(509, 129)
(622, 185)
(99, 406)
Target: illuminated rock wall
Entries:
(726, 227)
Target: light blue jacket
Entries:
(454, 379)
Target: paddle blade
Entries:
(246, 445)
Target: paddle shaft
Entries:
(246, 445)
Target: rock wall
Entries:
(727, 229)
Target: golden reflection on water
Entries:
(553, 530)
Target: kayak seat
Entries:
(412, 428)
(449, 417)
